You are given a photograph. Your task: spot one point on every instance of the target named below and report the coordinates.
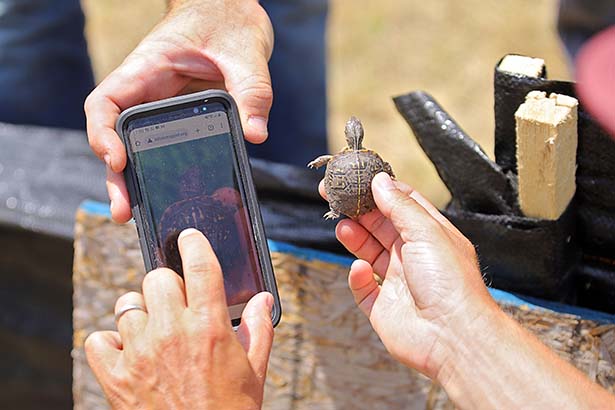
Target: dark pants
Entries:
(45, 72)
(298, 121)
(578, 20)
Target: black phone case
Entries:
(147, 242)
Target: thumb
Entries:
(250, 85)
(255, 332)
(411, 220)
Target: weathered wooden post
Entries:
(325, 354)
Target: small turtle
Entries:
(349, 174)
(214, 215)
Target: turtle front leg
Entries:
(389, 170)
(331, 214)
(320, 161)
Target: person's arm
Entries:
(433, 312)
(199, 44)
(498, 364)
(175, 347)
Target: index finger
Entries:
(101, 112)
(134, 82)
(202, 273)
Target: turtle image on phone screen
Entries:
(191, 183)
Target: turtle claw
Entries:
(320, 161)
(389, 170)
(331, 215)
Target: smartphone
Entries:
(188, 168)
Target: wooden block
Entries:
(529, 66)
(546, 153)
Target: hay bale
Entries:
(325, 355)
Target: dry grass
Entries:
(378, 49)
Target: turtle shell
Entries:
(217, 221)
(348, 181)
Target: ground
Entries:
(379, 49)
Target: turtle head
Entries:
(190, 183)
(354, 133)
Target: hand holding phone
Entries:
(196, 45)
(217, 368)
(187, 168)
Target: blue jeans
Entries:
(45, 72)
(298, 119)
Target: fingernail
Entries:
(384, 185)
(111, 207)
(269, 301)
(258, 123)
(355, 263)
(187, 232)
(107, 159)
(384, 181)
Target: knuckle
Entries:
(465, 246)
(144, 62)
(400, 203)
(124, 379)
(159, 277)
(94, 101)
(88, 104)
(423, 228)
(121, 381)
(425, 234)
(377, 223)
(127, 298)
(196, 328)
(93, 343)
(468, 247)
(207, 325)
(97, 146)
(202, 266)
(166, 339)
(258, 94)
(142, 356)
(140, 365)
(259, 29)
(165, 343)
(217, 335)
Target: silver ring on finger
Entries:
(127, 308)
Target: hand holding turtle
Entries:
(419, 283)
(199, 44)
(431, 288)
(176, 349)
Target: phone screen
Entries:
(185, 162)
